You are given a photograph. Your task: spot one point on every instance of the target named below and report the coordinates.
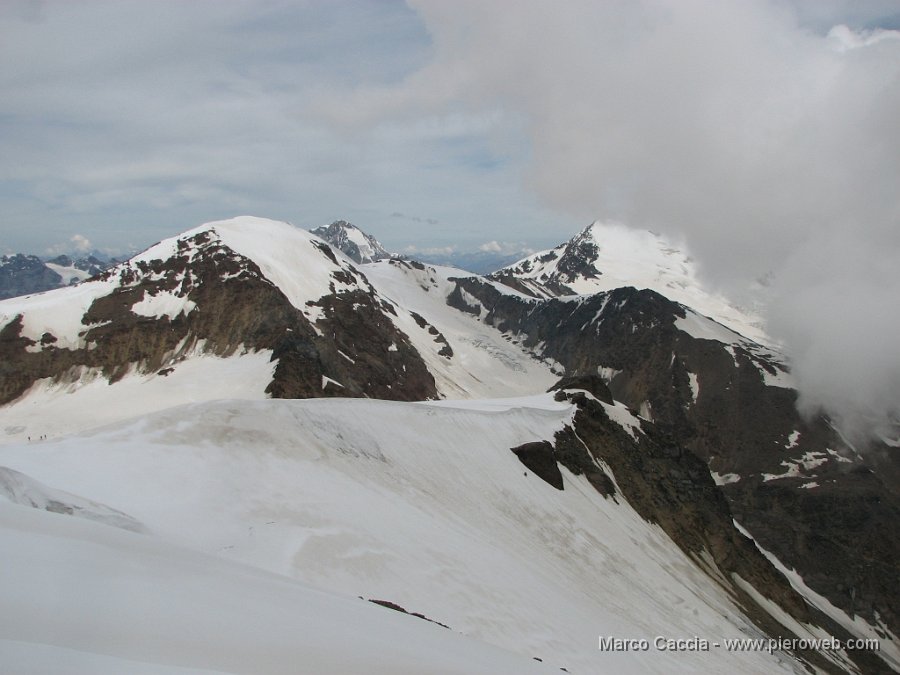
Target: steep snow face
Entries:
(483, 362)
(605, 256)
(57, 312)
(352, 242)
(289, 257)
(422, 505)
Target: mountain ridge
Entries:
(690, 423)
(606, 256)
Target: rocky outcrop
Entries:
(540, 457)
(670, 486)
(803, 493)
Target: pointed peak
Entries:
(353, 242)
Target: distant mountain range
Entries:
(587, 442)
(22, 274)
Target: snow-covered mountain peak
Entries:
(352, 241)
(280, 250)
(164, 277)
(605, 256)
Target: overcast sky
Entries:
(124, 122)
(766, 134)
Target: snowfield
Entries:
(79, 597)
(179, 521)
(53, 408)
(248, 504)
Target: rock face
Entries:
(352, 242)
(196, 293)
(672, 487)
(23, 274)
(803, 493)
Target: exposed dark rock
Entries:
(457, 301)
(675, 491)
(446, 350)
(386, 364)
(590, 383)
(739, 426)
(573, 454)
(397, 608)
(539, 457)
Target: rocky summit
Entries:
(352, 242)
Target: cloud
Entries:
(133, 121)
(77, 243)
(766, 134)
(506, 248)
(413, 250)
(491, 247)
(847, 39)
(80, 243)
(415, 219)
(837, 309)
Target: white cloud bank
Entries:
(771, 146)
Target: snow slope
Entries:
(58, 408)
(422, 505)
(485, 364)
(79, 597)
(642, 259)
